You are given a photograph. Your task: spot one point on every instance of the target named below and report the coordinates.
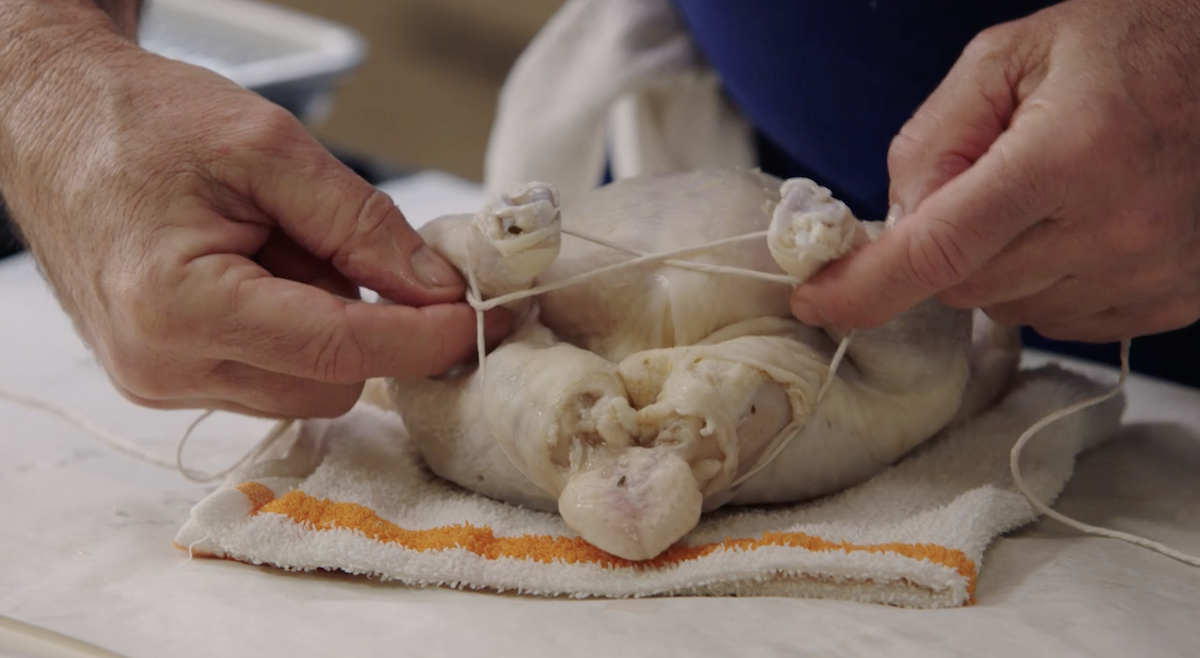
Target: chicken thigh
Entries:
(634, 401)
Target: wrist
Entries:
(43, 40)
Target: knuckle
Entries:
(357, 223)
(937, 259)
(339, 359)
(904, 149)
(948, 165)
(261, 130)
(372, 215)
(993, 42)
(268, 127)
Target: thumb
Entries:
(337, 216)
(969, 173)
(964, 116)
(954, 233)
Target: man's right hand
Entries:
(208, 249)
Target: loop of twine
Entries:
(125, 447)
(476, 301)
(1015, 468)
(479, 304)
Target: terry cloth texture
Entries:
(352, 494)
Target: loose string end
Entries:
(87, 427)
(277, 432)
(1041, 507)
(128, 449)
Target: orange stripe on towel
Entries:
(323, 514)
(258, 494)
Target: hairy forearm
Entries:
(48, 52)
(35, 33)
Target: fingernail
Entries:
(432, 270)
(807, 312)
(895, 212)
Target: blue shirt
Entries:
(827, 84)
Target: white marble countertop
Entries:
(86, 546)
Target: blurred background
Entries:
(425, 94)
(390, 86)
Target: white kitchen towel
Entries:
(615, 81)
(353, 495)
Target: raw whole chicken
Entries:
(635, 401)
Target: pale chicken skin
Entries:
(635, 401)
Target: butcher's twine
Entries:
(671, 258)
(475, 299)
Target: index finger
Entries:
(299, 330)
(333, 213)
(952, 234)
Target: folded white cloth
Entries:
(352, 494)
(617, 80)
